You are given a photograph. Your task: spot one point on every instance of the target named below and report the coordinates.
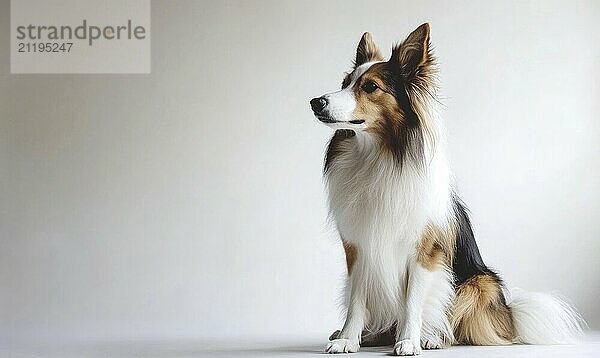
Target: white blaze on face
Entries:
(341, 104)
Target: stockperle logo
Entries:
(80, 36)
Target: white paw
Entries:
(431, 343)
(406, 347)
(342, 345)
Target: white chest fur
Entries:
(371, 199)
(382, 210)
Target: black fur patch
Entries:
(467, 259)
(405, 137)
(333, 148)
(410, 140)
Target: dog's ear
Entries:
(413, 55)
(367, 51)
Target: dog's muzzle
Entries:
(319, 107)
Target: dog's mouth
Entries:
(326, 119)
(330, 120)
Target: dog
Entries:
(416, 279)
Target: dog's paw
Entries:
(406, 347)
(431, 343)
(342, 345)
(335, 335)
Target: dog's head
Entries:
(385, 98)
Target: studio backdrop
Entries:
(188, 202)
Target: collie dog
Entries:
(416, 279)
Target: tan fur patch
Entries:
(379, 109)
(479, 316)
(351, 255)
(436, 247)
(382, 113)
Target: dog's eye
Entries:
(369, 86)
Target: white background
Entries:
(189, 203)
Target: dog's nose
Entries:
(318, 104)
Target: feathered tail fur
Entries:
(541, 318)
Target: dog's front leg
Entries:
(408, 338)
(348, 340)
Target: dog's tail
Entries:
(484, 313)
(541, 318)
